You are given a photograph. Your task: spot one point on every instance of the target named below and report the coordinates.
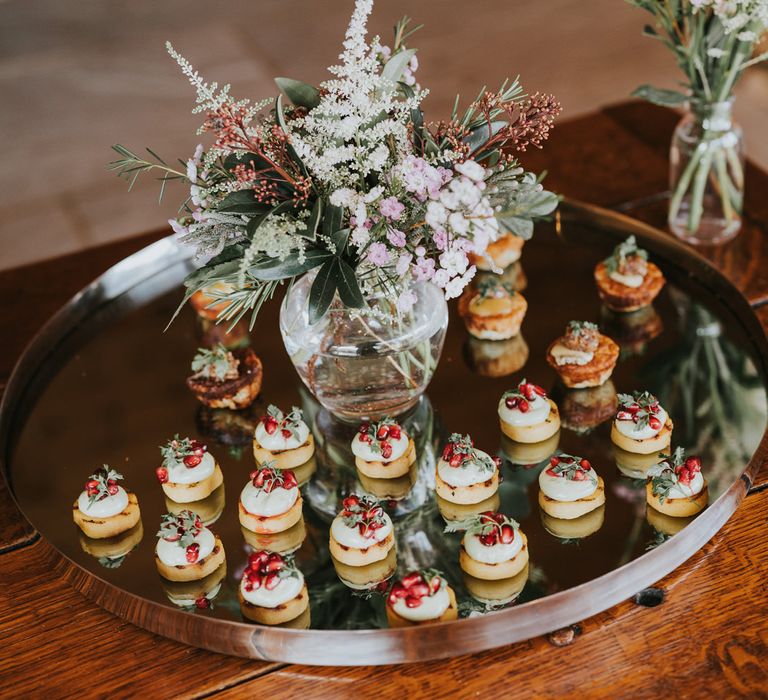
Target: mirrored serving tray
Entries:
(102, 383)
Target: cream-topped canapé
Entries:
(463, 465)
(384, 441)
(270, 492)
(640, 416)
(568, 478)
(526, 405)
(278, 432)
(102, 496)
(270, 580)
(185, 461)
(183, 539)
(361, 523)
(420, 596)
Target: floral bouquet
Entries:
(348, 181)
(713, 41)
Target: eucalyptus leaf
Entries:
(346, 283)
(242, 202)
(658, 96)
(520, 227)
(394, 67)
(299, 93)
(479, 136)
(332, 219)
(322, 291)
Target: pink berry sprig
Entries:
(491, 527)
(415, 586)
(460, 451)
(379, 436)
(673, 470)
(520, 399)
(288, 425)
(363, 513)
(179, 451)
(570, 467)
(267, 569)
(102, 484)
(642, 408)
(182, 527)
(268, 478)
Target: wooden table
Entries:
(708, 636)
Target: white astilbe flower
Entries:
(276, 237)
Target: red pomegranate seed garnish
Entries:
(193, 552)
(162, 475)
(191, 461)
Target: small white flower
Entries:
(406, 300)
(342, 197)
(471, 169)
(715, 53)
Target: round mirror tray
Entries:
(102, 383)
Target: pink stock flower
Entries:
(424, 269)
(378, 254)
(391, 208)
(396, 238)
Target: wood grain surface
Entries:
(709, 636)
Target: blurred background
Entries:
(76, 77)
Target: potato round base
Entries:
(198, 570)
(270, 524)
(281, 542)
(494, 572)
(389, 470)
(569, 510)
(364, 577)
(577, 528)
(352, 556)
(452, 512)
(679, 507)
(496, 593)
(451, 613)
(646, 446)
(102, 528)
(196, 491)
(467, 495)
(279, 615)
(538, 432)
(285, 459)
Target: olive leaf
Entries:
(299, 93)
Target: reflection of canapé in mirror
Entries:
(496, 358)
(285, 542)
(666, 524)
(497, 593)
(632, 331)
(222, 378)
(195, 594)
(575, 528)
(366, 577)
(390, 489)
(112, 551)
(582, 410)
(632, 464)
(521, 453)
(459, 511)
(231, 428)
(209, 508)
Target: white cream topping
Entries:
(172, 554)
(627, 280)
(178, 473)
(105, 508)
(630, 429)
(558, 488)
(537, 412)
(277, 442)
(288, 588)
(259, 502)
(687, 491)
(431, 607)
(351, 537)
(493, 554)
(469, 473)
(567, 356)
(365, 451)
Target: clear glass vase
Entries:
(706, 175)
(365, 363)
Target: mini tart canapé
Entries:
(421, 597)
(104, 508)
(208, 301)
(362, 533)
(527, 415)
(641, 424)
(626, 281)
(492, 310)
(383, 450)
(465, 475)
(493, 547)
(224, 378)
(189, 472)
(270, 502)
(187, 550)
(283, 439)
(570, 487)
(499, 254)
(272, 590)
(583, 357)
(676, 486)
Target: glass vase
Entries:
(363, 364)
(706, 175)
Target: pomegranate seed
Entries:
(191, 461)
(456, 461)
(351, 501)
(260, 478)
(285, 433)
(419, 590)
(395, 432)
(412, 602)
(585, 464)
(654, 422)
(173, 538)
(399, 591)
(274, 565)
(91, 484)
(512, 402)
(633, 408)
(112, 488)
(552, 472)
(193, 552)
(488, 539)
(202, 603)
(411, 579)
(364, 428)
(524, 406)
(623, 415)
(554, 461)
(366, 438)
(579, 475)
(270, 425)
(487, 516)
(528, 392)
(507, 534)
(386, 450)
(162, 475)
(693, 463)
(392, 599)
(447, 452)
(434, 584)
(271, 581)
(289, 480)
(539, 390)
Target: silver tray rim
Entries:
(386, 646)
